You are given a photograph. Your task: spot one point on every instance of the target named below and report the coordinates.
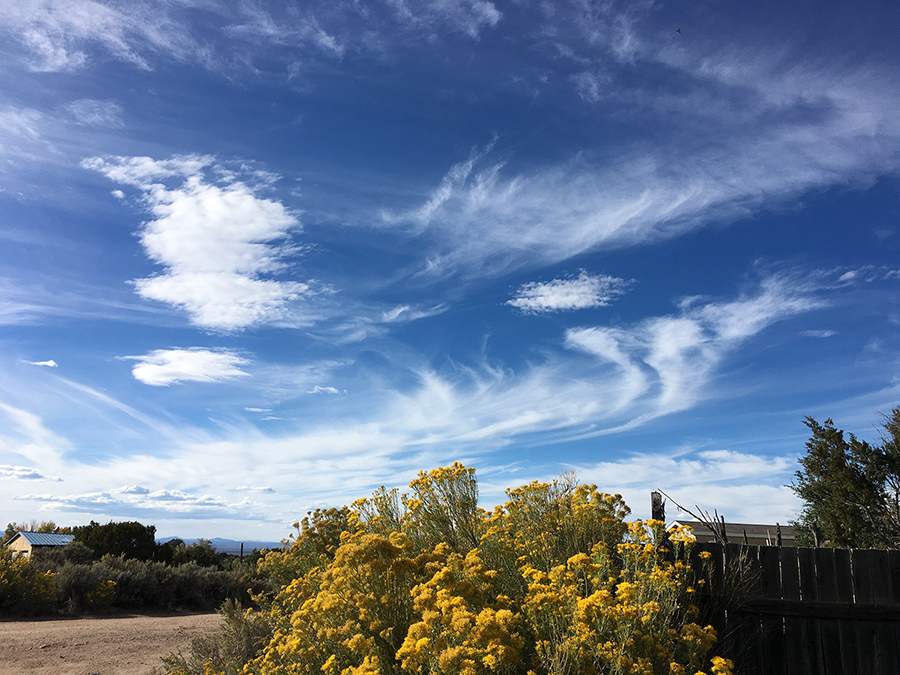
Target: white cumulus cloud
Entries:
(582, 292)
(134, 490)
(215, 241)
(163, 367)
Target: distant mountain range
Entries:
(228, 545)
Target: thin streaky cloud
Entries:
(26, 434)
(319, 389)
(164, 429)
(61, 35)
(261, 489)
(49, 363)
(489, 215)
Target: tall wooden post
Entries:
(657, 507)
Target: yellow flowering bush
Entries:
(24, 589)
(554, 582)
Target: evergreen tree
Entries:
(128, 539)
(851, 489)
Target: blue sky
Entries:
(260, 257)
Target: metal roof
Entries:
(43, 538)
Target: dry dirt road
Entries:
(123, 644)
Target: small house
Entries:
(26, 543)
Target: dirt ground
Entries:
(123, 644)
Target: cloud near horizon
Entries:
(162, 503)
(9, 472)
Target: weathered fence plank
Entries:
(744, 628)
(849, 628)
(830, 629)
(874, 589)
(809, 592)
(799, 644)
(774, 646)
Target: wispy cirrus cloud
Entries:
(820, 334)
(68, 35)
(772, 129)
(678, 353)
(163, 367)
(468, 16)
(498, 218)
(96, 113)
(869, 274)
(38, 299)
(216, 242)
(26, 435)
(559, 295)
(406, 313)
(627, 376)
(64, 35)
(19, 123)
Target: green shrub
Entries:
(241, 636)
(52, 558)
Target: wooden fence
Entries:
(819, 611)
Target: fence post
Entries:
(657, 507)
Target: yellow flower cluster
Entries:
(464, 627)
(102, 595)
(554, 582)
